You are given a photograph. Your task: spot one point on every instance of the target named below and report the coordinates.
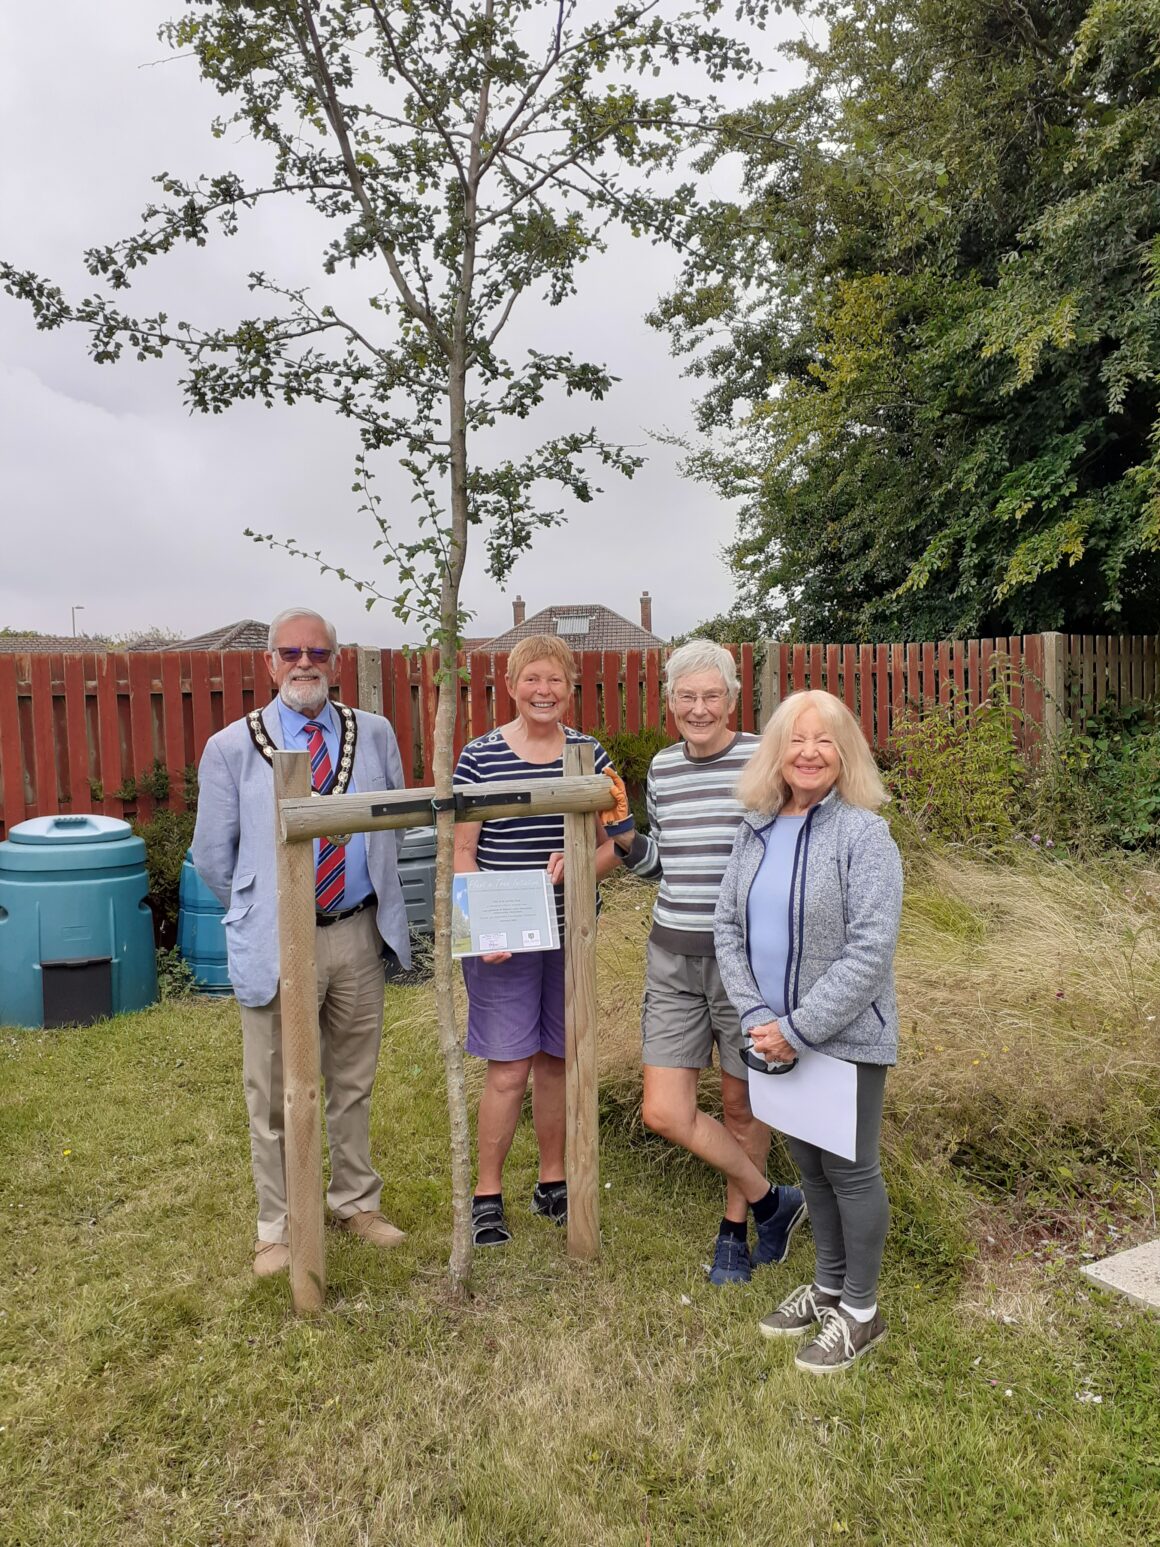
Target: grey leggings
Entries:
(849, 1212)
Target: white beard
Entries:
(305, 696)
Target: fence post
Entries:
(582, 1163)
(1055, 684)
(301, 1063)
(370, 680)
(770, 681)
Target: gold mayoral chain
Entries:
(266, 747)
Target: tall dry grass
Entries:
(1029, 994)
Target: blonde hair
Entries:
(541, 647)
(762, 787)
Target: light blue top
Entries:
(357, 884)
(846, 907)
(768, 912)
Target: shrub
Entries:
(959, 776)
(631, 753)
(1118, 757)
(1099, 786)
(175, 979)
(167, 836)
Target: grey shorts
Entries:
(686, 1010)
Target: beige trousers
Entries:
(350, 1020)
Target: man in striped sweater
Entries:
(693, 814)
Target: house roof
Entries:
(246, 634)
(583, 626)
(51, 644)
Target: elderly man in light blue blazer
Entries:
(359, 916)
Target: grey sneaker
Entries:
(840, 1342)
(798, 1312)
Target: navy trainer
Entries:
(730, 1261)
(775, 1235)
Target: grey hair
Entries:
(301, 612)
(697, 655)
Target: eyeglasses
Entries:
(688, 700)
(754, 1060)
(290, 653)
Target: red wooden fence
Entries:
(116, 733)
(885, 683)
(1044, 677)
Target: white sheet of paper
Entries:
(817, 1102)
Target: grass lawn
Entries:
(151, 1391)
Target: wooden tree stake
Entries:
(301, 1071)
(298, 819)
(583, 1149)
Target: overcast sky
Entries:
(113, 498)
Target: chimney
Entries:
(519, 611)
(646, 611)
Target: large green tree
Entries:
(931, 343)
(467, 155)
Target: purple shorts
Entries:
(515, 1008)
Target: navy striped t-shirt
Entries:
(519, 842)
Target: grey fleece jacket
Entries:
(846, 901)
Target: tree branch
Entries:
(313, 54)
(408, 76)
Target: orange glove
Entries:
(617, 818)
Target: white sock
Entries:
(834, 1294)
(859, 1313)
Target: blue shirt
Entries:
(768, 912)
(357, 884)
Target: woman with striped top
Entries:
(693, 814)
(515, 1003)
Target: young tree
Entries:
(468, 154)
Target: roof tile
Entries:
(606, 630)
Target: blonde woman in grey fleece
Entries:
(806, 925)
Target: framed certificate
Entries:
(503, 910)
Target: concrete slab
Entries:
(1134, 1274)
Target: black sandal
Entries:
(550, 1199)
(488, 1225)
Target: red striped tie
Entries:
(330, 874)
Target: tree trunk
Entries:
(459, 1265)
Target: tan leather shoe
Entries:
(373, 1228)
(270, 1257)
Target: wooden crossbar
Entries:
(310, 817)
(299, 818)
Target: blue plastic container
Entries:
(417, 877)
(201, 939)
(76, 933)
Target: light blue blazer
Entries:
(233, 845)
